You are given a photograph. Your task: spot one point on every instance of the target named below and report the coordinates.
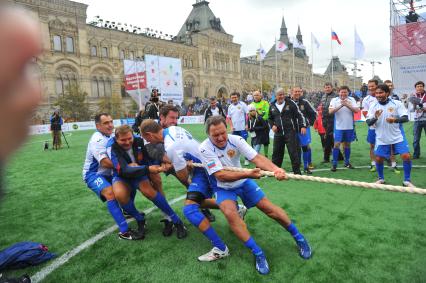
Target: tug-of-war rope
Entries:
(334, 181)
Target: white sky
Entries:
(254, 21)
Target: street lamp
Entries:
(373, 63)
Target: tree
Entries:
(73, 103)
(112, 105)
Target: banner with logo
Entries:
(406, 71)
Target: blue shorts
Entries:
(97, 183)
(133, 183)
(249, 192)
(385, 150)
(344, 135)
(202, 183)
(242, 134)
(371, 136)
(305, 139)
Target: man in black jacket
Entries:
(213, 109)
(131, 170)
(285, 120)
(310, 115)
(328, 121)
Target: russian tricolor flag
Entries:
(335, 37)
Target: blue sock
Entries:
(292, 229)
(407, 169)
(118, 216)
(305, 159)
(162, 204)
(255, 249)
(335, 156)
(210, 233)
(131, 209)
(347, 155)
(379, 167)
(193, 214)
(309, 156)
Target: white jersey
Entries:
(344, 117)
(96, 151)
(180, 147)
(214, 158)
(237, 113)
(387, 133)
(366, 103)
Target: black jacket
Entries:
(307, 110)
(209, 113)
(261, 128)
(152, 111)
(121, 159)
(289, 120)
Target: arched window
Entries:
(65, 77)
(69, 44)
(121, 54)
(101, 84)
(104, 52)
(57, 43)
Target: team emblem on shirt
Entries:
(231, 153)
(391, 109)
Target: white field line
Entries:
(39, 276)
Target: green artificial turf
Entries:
(358, 235)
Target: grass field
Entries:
(357, 235)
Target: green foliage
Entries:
(73, 103)
(111, 104)
(357, 235)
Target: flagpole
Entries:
(312, 68)
(332, 63)
(260, 71)
(355, 67)
(292, 70)
(276, 65)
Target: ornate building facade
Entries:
(91, 55)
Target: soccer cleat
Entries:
(242, 211)
(304, 249)
(207, 213)
(408, 184)
(262, 264)
(396, 170)
(130, 235)
(141, 228)
(168, 227)
(349, 166)
(246, 163)
(181, 231)
(372, 168)
(214, 254)
(307, 171)
(333, 169)
(380, 181)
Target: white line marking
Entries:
(356, 167)
(39, 276)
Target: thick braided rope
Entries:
(334, 181)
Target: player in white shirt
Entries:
(237, 117)
(388, 115)
(220, 150)
(371, 135)
(97, 173)
(181, 148)
(343, 108)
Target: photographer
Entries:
(56, 128)
(418, 101)
(152, 108)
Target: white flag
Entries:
(298, 44)
(315, 40)
(261, 53)
(280, 46)
(359, 47)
